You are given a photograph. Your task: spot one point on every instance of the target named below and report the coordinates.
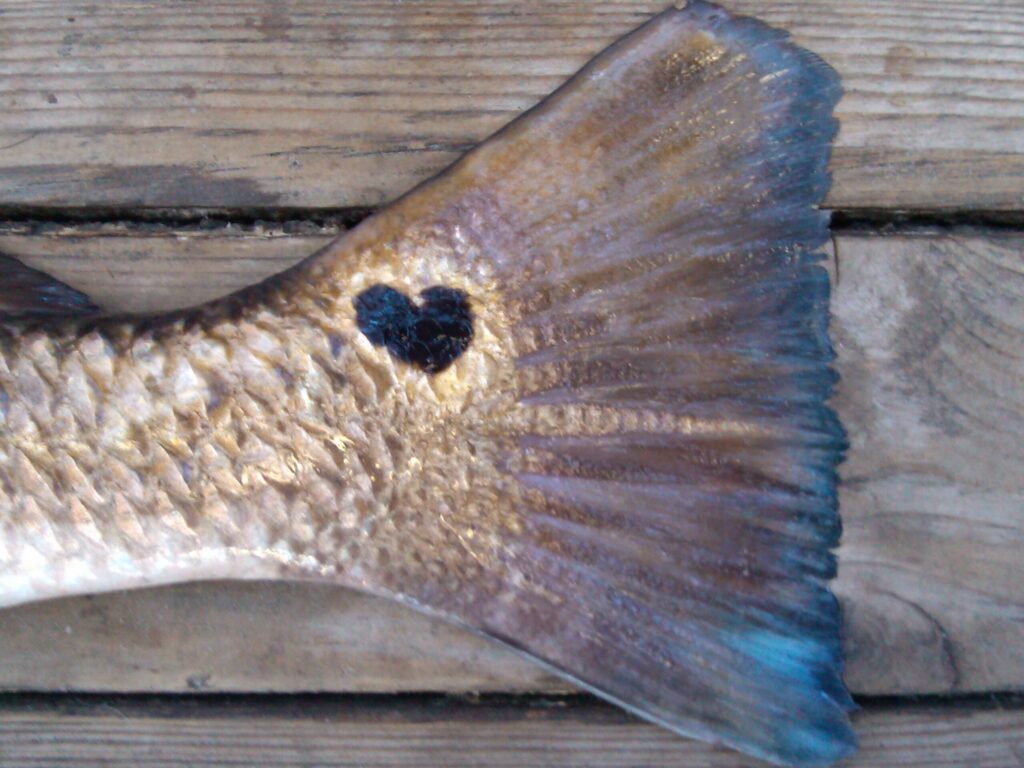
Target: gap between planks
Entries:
(928, 331)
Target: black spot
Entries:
(431, 336)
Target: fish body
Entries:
(262, 436)
(569, 393)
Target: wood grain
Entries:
(317, 104)
(256, 637)
(928, 331)
(336, 733)
(156, 269)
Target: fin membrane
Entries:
(654, 227)
(28, 292)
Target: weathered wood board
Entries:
(313, 104)
(928, 332)
(929, 337)
(356, 734)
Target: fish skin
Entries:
(243, 440)
(630, 472)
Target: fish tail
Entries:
(657, 505)
(655, 227)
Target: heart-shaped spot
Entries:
(430, 335)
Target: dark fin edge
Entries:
(28, 292)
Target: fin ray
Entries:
(654, 228)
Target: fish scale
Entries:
(125, 450)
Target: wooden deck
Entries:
(140, 138)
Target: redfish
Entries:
(570, 393)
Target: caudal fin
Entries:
(653, 228)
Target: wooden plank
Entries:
(337, 733)
(139, 269)
(318, 104)
(264, 637)
(929, 336)
(928, 330)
